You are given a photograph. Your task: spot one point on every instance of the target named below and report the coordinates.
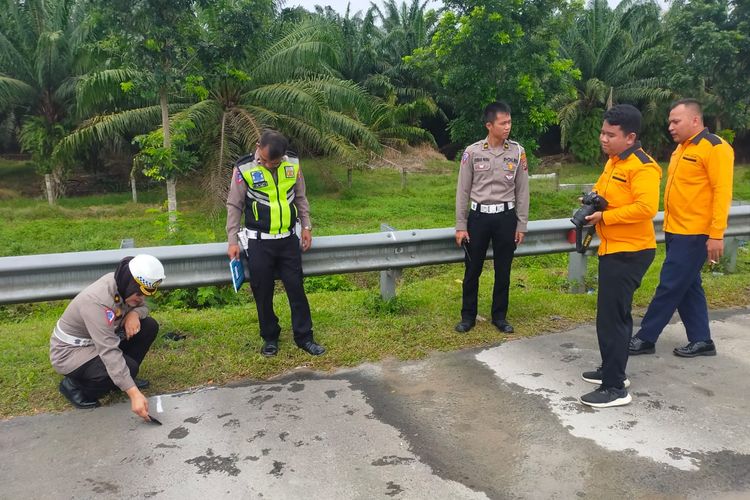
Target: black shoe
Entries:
(270, 348)
(141, 383)
(503, 325)
(464, 326)
(595, 377)
(75, 395)
(604, 397)
(638, 346)
(310, 347)
(693, 349)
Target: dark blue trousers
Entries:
(680, 289)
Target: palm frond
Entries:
(101, 128)
(13, 91)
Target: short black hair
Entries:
(689, 102)
(276, 142)
(626, 116)
(492, 110)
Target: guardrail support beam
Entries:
(731, 246)
(577, 272)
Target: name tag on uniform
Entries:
(481, 164)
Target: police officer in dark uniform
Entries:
(492, 204)
(268, 187)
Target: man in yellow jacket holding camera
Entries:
(630, 186)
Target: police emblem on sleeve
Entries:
(109, 315)
(258, 180)
(289, 172)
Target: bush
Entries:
(375, 305)
(584, 138)
(332, 283)
(200, 297)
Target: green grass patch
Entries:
(356, 326)
(350, 319)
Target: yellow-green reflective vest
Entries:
(269, 202)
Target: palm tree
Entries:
(289, 85)
(617, 54)
(41, 59)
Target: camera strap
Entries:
(583, 241)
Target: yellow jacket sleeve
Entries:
(720, 174)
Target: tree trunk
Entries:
(171, 181)
(172, 203)
(133, 187)
(48, 184)
(218, 177)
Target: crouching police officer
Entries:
(105, 332)
(269, 188)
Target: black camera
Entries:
(591, 203)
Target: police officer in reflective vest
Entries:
(492, 204)
(104, 334)
(268, 187)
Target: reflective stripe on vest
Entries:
(279, 195)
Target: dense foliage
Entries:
(81, 80)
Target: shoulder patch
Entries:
(642, 156)
(714, 139)
(245, 159)
(109, 315)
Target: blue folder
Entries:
(237, 272)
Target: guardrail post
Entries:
(388, 277)
(731, 245)
(577, 272)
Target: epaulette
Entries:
(292, 154)
(642, 156)
(714, 139)
(245, 159)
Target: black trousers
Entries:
(266, 258)
(620, 275)
(500, 229)
(92, 376)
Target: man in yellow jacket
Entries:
(696, 206)
(630, 184)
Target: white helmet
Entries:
(147, 271)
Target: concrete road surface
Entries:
(502, 422)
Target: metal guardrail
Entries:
(35, 278)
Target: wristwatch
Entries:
(307, 228)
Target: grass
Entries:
(350, 320)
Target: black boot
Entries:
(73, 393)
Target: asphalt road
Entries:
(501, 422)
